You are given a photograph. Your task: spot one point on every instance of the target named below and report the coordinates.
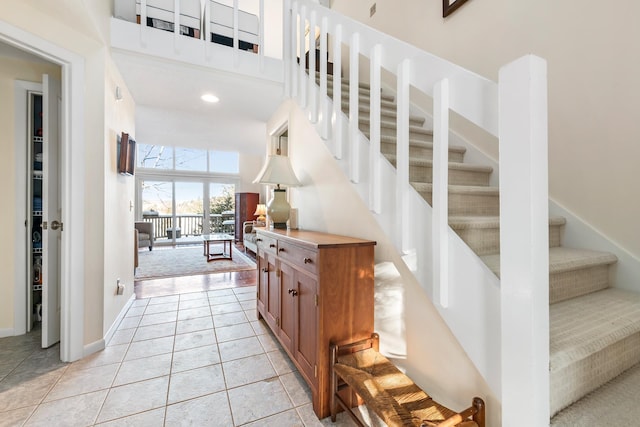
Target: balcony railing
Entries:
(186, 225)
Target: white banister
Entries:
(313, 104)
(293, 66)
(354, 116)
(402, 155)
(324, 104)
(302, 94)
(375, 183)
(440, 194)
(337, 94)
(524, 242)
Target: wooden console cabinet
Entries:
(313, 289)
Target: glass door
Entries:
(158, 208)
(222, 207)
(189, 218)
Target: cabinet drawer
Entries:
(302, 258)
(267, 244)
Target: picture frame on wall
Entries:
(450, 6)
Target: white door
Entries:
(51, 212)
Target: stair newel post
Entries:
(524, 242)
(176, 26)
(143, 23)
(302, 94)
(261, 34)
(354, 116)
(313, 102)
(324, 105)
(375, 184)
(236, 43)
(440, 195)
(294, 50)
(402, 156)
(337, 94)
(287, 18)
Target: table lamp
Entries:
(278, 171)
(261, 211)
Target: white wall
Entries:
(427, 349)
(594, 93)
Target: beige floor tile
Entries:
(195, 383)
(164, 300)
(111, 354)
(134, 398)
(193, 295)
(296, 388)
(143, 369)
(260, 327)
(281, 361)
(245, 290)
(81, 381)
(249, 403)
(269, 342)
(140, 302)
(122, 336)
(194, 303)
(238, 349)
(311, 420)
(252, 314)
(155, 331)
(210, 410)
(192, 325)
(288, 418)
(195, 339)
(195, 358)
(155, 318)
(161, 308)
(247, 296)
(248, 305)
(234, 332)
(152, 347)
(129, 322)
(192, 313)
(247, 370)
(26, 389)
(153, 418)
(135, 311)
(229, 319)
(80, 410)
(222, 299)
(220, 293)
(230, 307)
(16, 417)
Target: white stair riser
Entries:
(570, 284)
(470, 204)
(420, 152)
(486, 241)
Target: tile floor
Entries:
(199, 358)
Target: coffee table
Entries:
(225, 239)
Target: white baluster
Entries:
(302, 95)
(207, 30)
(261, 35)
(524, 242)
(402, 155)
(375, 189)
(294, 49)
(286, 45)
(440, 193)
(176, 25)
(324, 105)
(236, 44)
(313, 102)
(354, 117)
(143, 23)
(337, 93)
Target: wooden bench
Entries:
(389, 393)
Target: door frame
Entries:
(72, 191)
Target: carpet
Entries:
(186, 261)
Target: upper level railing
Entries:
(513, 360)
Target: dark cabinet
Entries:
(246, 204)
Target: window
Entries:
(191, 159)
(187, 159)
(224, 161)
(154, 156)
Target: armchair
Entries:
(145, 234)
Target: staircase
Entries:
(594, 329)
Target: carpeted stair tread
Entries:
(362, 93)
(390, 124)
(464, 222)
(452, 165)
(387, 114)
(459, 189)
(562, 259)
(582, 326)
(389, 139)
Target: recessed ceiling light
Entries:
(208, 97)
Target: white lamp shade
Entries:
(277, 171)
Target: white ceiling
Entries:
(169, 110)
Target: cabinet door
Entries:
(288, 293)
(307, 325)
(273, 292)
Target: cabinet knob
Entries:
(308, 260)
(293, 292)
(272, 245)
(258, 240)
(265, 270)
(281, 250)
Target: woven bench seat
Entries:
(392, 395)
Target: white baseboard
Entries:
(7, 332)
(100, 344)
